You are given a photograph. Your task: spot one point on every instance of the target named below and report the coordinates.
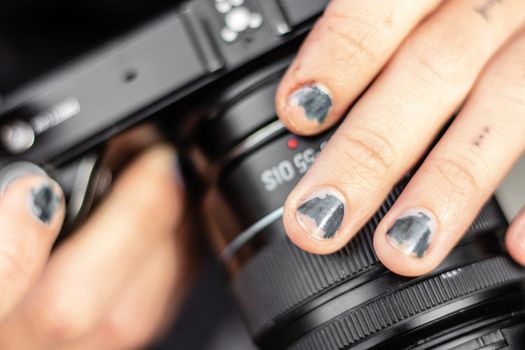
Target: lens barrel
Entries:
(291, 299)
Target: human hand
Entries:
(419, 61)
(115, 282)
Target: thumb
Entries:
(90, 271)
(31, 214)
(151, 188)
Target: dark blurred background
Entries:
(37, 37)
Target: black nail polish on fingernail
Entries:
(17, 170)
(44, 202)
(315, 101)
(412, 232)
(321, 215)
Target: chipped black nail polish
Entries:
(314, 100)
(486, 7)
(412, 233)
(44, 203)
(321, 215)
(17, 170)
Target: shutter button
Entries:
(17, 136)
(237, 18)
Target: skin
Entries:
(418, 61)
(113, 284)
(405, 67)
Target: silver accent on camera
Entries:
(247, 235)
(17, 136)
(237, 18)
(228, 35)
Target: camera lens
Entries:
(291, 299)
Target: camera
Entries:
(206, 74)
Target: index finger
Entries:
(346, 49)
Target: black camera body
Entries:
(206, 74)
(57, 120)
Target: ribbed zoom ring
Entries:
(280, 277)
(386, 311)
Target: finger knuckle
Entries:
(369, 152)
(445, 60)
(147, 210)
(509, 83)
(459, 176)
(13, 262)
(148, 191)
(18, 257)
(357, 36)
(127, 332)
(55, 320)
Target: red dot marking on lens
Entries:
(292, 143)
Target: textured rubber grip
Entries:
(388, 310)
(281, 277)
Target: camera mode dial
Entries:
(238, 18)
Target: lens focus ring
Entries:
(282, 278)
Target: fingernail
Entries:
(313, 100)
(17, 170)
(321, 214)
(412, 232)
(44, 199)
(44, 202)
